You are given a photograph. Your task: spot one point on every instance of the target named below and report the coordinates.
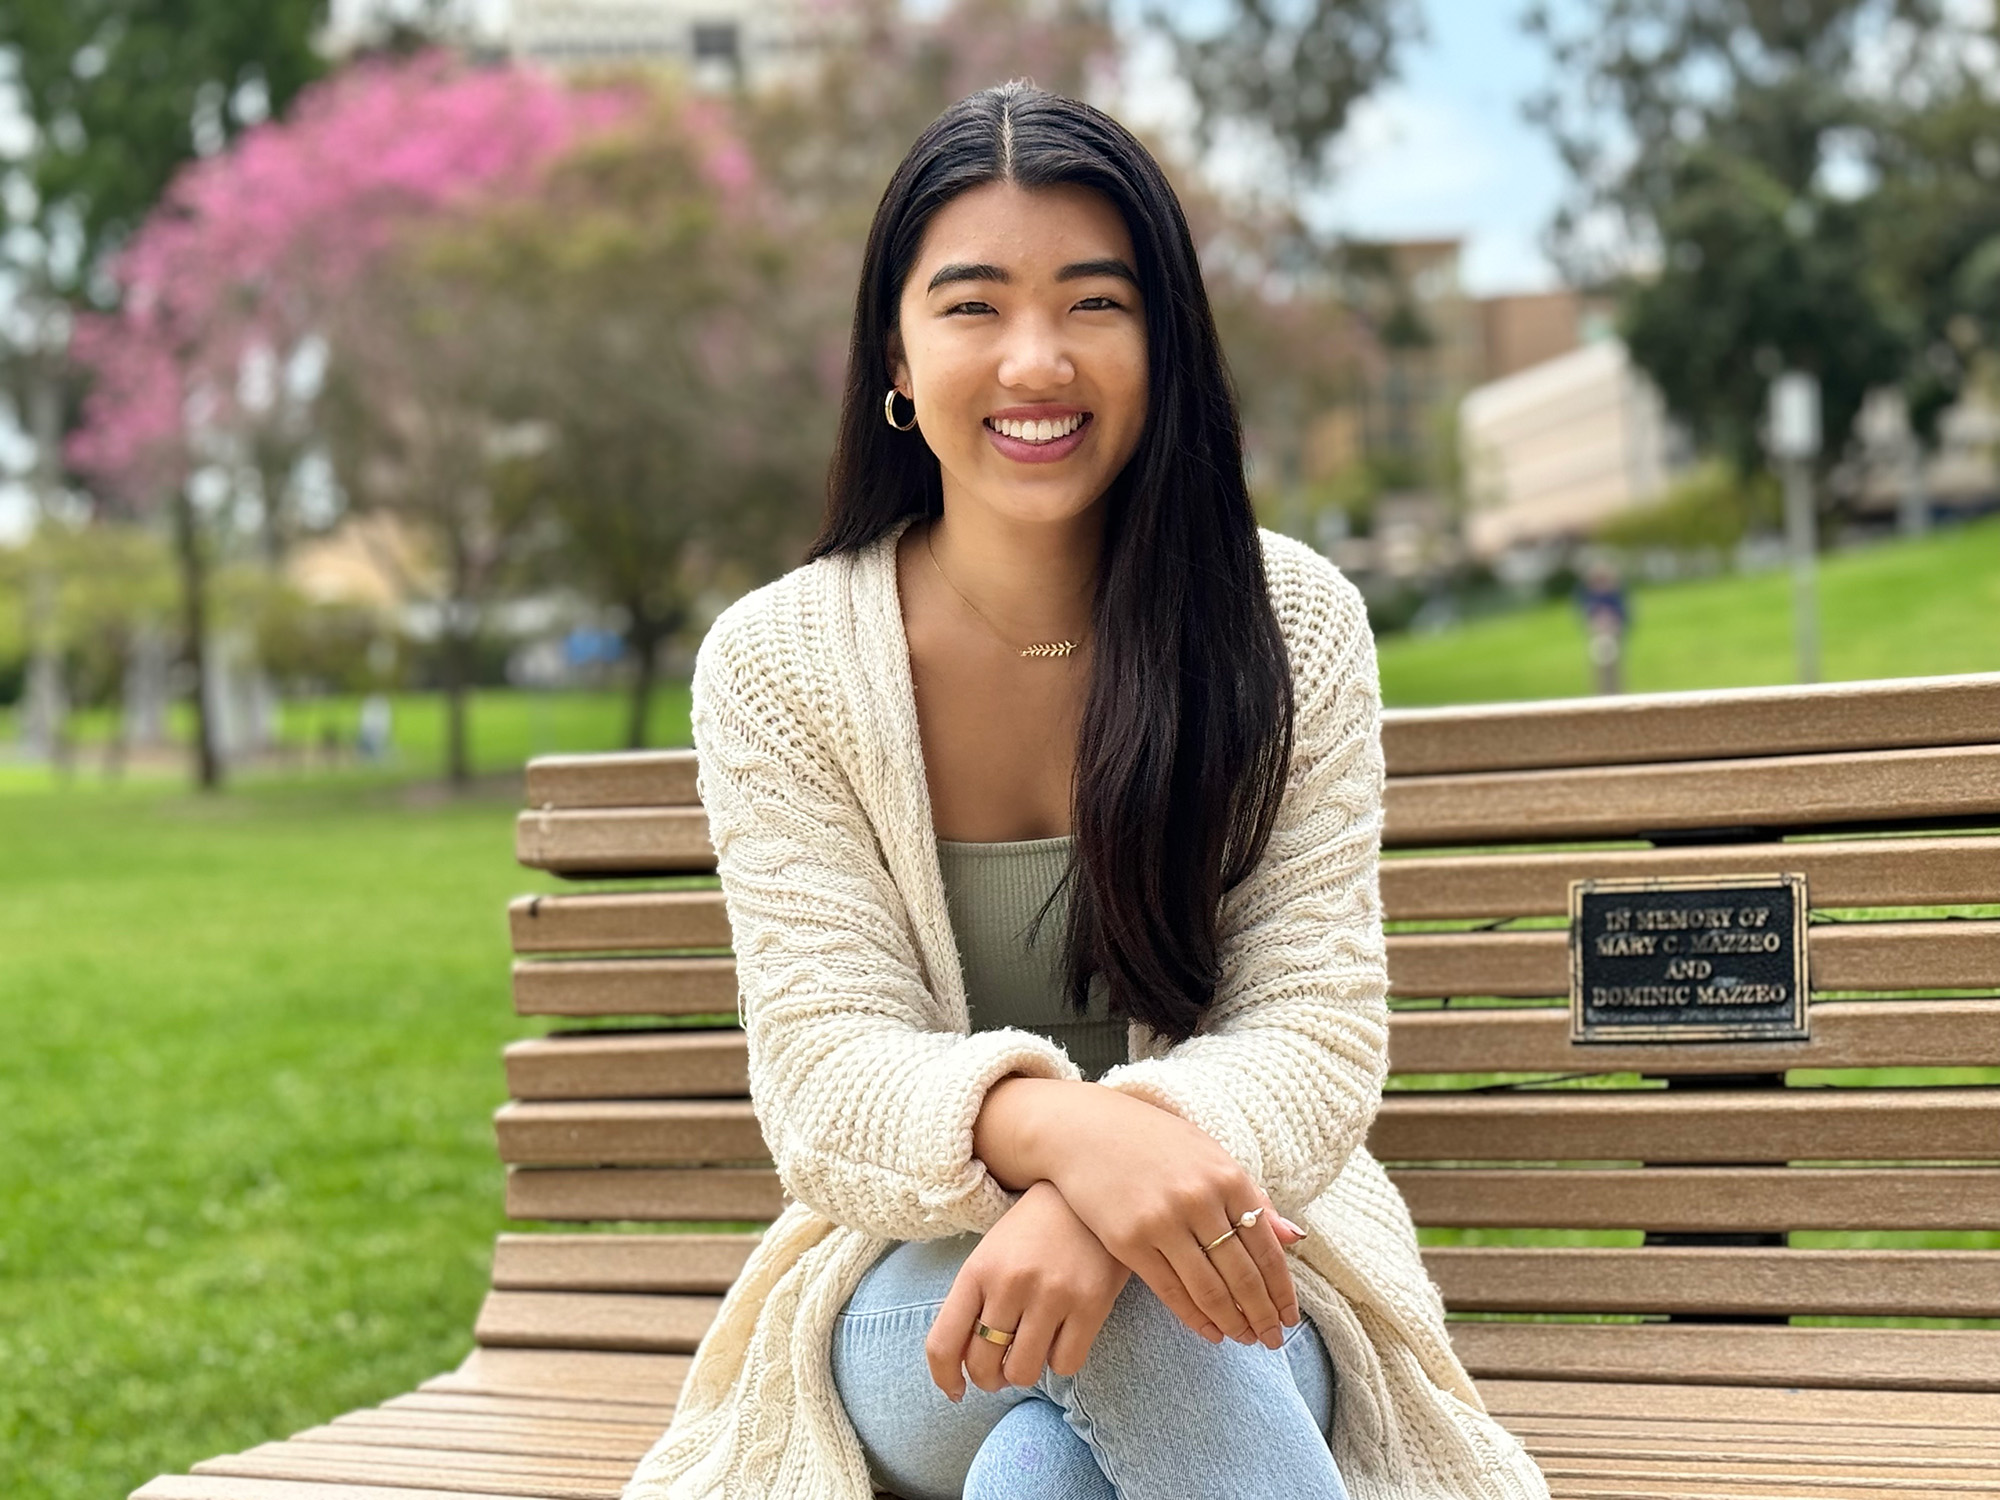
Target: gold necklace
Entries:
(1040, 648)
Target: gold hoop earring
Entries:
(889, 411)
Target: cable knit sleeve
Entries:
(867, 1107)
(1287, 1071)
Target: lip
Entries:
(1038, 453)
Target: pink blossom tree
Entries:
(203, 379)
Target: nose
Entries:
(1034, 356)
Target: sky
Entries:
(1445, 152)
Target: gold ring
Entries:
(1249, 1217)
(998, 1336)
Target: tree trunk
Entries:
(194, 626)
(643, 639)
(457, 754)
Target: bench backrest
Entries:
(1695, 1212)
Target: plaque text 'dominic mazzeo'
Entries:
(1696, 958)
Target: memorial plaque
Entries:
(1688, 959)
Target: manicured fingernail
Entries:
(1298, 1229)
(1273, 1339)
(1291, 1316)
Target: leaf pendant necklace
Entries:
(1039, 649)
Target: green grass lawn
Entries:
(1905, 609)
(247, 1175)
(506, 727)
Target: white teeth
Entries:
(1046, 431)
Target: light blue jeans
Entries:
(1156, 1413)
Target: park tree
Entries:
(203, 374)
(656, 338)
(114, 95)
(1289, 75)
(1935, 235)
(1726, 163)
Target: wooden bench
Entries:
(1762, 1201)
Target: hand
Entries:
(1154, 1189)
(1039, 1272)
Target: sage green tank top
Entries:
(1011, 979)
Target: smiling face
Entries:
(1022, 342)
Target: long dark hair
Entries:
(1187, 726)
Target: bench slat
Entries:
(1921, 871)
(645, 1195)
(1846, 1034)
(628, 1065)
(1847, 1442)
(1822, 1124)
(1473, 1279)
(1906, 1358)
(1733, 1354)
(225, 1487)
(645, 1323)
(1672, 1486)
(440, 1477)
(301, 1454)
(1590, 1279)
(644, 1379)
(620, 1262)
(638, 778)
(625, 1445)
(1874, 715)
(1527, 965)
(615, 840)
(1771, 1479)
(1900, 712)
(625, 987)
(1695, 1200)
(1900, 871)
(640, 1133)
(1912, 1283)
(1943, 955)
(1555, 1400)
(1674, 1199)
(1783, 792)
(459, 1430)
(602, 923)
(441, 1403)
(1818, 1124)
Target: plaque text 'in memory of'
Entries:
(1688, 958)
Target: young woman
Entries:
(1046, 797)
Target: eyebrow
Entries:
(1075, 271)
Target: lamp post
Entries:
(1793, 436)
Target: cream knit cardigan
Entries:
(866, 1081)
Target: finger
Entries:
(1245, 1279)
(1266, 1247)
(982, 1355)
(1022, 1361)
(1159, 1274)
(944, 1345)
(1210, 1292)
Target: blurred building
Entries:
(1427, 352)
(1554, 449)
(723, 42)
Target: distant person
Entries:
(1045, 760)
(1606, 614)
(371, 740)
